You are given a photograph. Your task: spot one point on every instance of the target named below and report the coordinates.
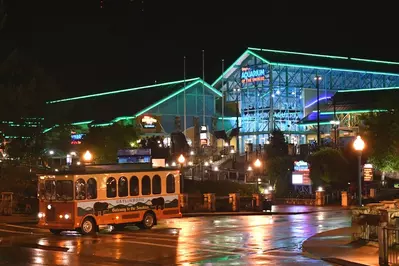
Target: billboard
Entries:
(300, 175)
(250, 75)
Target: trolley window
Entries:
(170, 184)
(122, 187)
(80, 189)
(64, 190)
(156, 184)
(134, 186)
(91, 188)
(146, 185)
(111, 187)
(49, 188)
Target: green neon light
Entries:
(370, 89)
(122, 118)
(298, 53)
(335, 69)
(82, 123)
(313, 124)
(50, 128)
(327, 56)
(230, 67)
(247, 52)
(102, 125)
(176, 93)
(261, 58)
(121, 91)
(353, 112)
(375, 61)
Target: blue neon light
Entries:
(315, 101)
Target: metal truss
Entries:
(276, 102)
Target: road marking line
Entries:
(175, 247)
(17, 232)
(22, 227)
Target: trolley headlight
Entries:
(66, 216)
(49, 207)
(41, 215)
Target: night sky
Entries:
(91, 49)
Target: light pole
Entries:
(358, 145)
(257, 165)
(318, 78)
(181, 161)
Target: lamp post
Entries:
(318, 78)
(181, 161)
(257, 165)
(358, 145)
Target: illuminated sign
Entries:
(249, 75)
(368, 172)
(76, 139)
(301, 166)
(148, 121)
(300, 176)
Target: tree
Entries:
(104, 142)
(59, 138)
(278, 147)
(382, 138)
(277, 170)
(328, 167)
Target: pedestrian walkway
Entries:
(18, 219)
(276, 210)
(336, 246)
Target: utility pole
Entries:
(318, 78)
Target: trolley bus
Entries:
(90, 196)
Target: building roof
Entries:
(113, 106)
(314, 61)
(355, 101)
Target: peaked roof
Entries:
(318, 61)
(113, 106)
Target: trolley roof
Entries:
(106, 168)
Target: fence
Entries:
(388, 239)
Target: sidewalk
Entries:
(276, 210)
(19, 219)
(336, 246)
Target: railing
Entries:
(297, 201)
(388, 239)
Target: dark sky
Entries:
(88, 49)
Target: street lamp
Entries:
(87, 157)
(318, 78)
(181, 161)
(358, 145)
(257, 165)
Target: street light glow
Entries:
(257, 163)
(249, 168)
(358, 144)
(87, 156)
(181, 159)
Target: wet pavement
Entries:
(235, 240)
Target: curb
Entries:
(243, 213)
(343, 262)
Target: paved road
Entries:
(235, 240)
